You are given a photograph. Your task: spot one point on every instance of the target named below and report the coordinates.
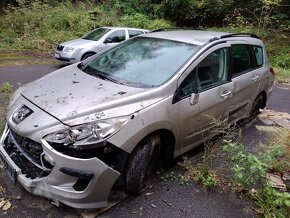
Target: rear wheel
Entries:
(142, 165)
(257, 105)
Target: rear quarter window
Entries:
(133, 33)
(258, 51)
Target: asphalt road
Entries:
(164, 199)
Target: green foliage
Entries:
(258, 14)
(38, 25)
(194, 12)
(280, 149)
(6, 88)
(272, 202)
(269, 157)
(282, 75)
(198, 172)
(143, 21)
(247, 168)
(208, 179)
(6, 91)
(283, 60)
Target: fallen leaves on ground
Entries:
(5, 204)
(276, 181)
(2, 189)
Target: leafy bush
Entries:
(247, 168)
(271, 202)
(38, 25)
(143, 21)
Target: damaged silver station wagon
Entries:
(74, 134)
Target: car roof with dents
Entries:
(199, 37)
(190, 36)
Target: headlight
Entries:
(89, 133)
(68, 49)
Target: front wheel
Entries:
(87, 55)
(142, 165)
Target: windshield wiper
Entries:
(91, 71)
(81, 66)
(105, 77)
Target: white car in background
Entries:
(95, 41)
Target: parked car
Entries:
(95, 41)
(75, 133)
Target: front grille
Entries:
(25, 153)
(31, 148)
(59, 47)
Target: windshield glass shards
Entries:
(142, 62)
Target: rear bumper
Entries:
(60, 183)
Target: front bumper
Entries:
(66, 57)
(58, 183)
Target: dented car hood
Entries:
(74, 97)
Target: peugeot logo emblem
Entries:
(21, 113)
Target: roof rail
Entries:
(174, 28)
(235, 35)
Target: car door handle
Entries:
(255, 78)
(226, 94)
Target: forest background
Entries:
(42, 24)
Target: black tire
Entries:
(257, 105)
(87, 55)
(142, 165)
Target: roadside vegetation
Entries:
(40, 25)
(253, 171)
(6, 91)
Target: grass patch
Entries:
(6, 91)
(11, 58)
(282, 75)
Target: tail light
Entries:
(272, 71)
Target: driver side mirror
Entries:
(194, 98)
(195, 95)
(108, 40)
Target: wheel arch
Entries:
(144, 158)
(264, 95)
(167, 139)
(87, 53)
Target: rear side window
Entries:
(241, 59)
(133, 33)
(258, 51)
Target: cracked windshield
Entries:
(142, 62)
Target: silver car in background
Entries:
(105, 122)
(95, 41)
